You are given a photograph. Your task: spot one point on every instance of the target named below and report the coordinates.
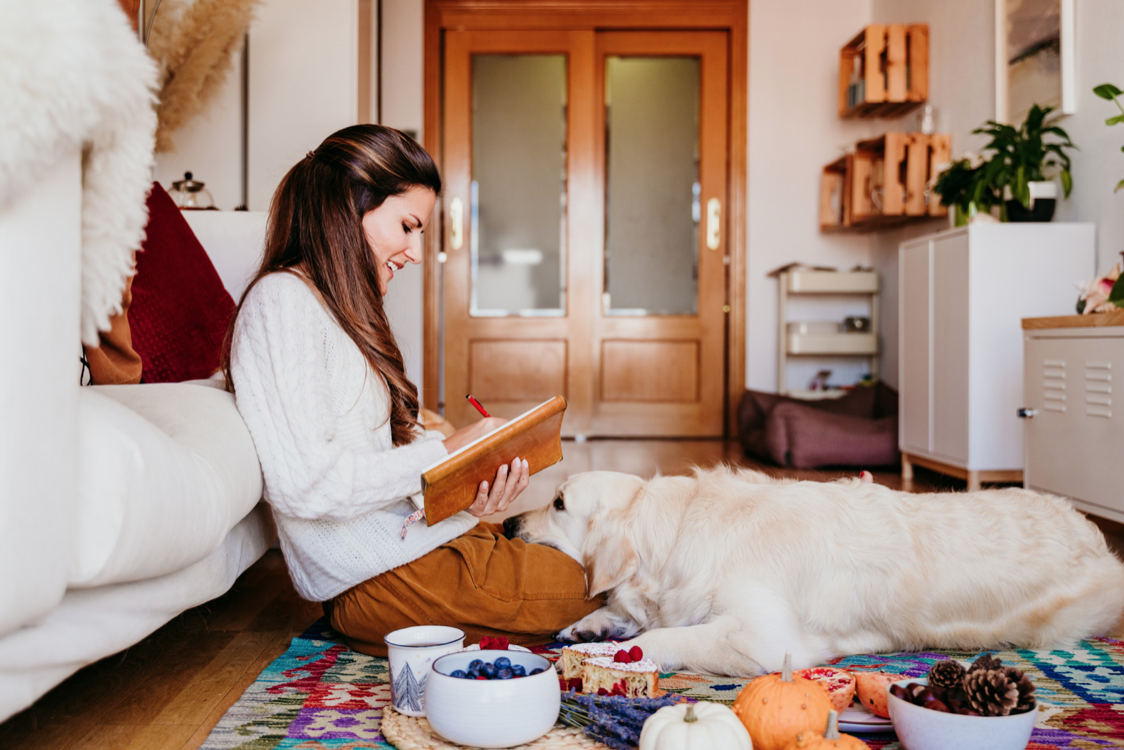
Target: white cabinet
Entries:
(1075, 427)
(962, 296)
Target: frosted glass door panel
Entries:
(518, 186)
(652, 209)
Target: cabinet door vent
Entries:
(1098, 389)
(1053, 385)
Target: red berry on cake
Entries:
(636, 653)
(622, 657)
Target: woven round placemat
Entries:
(414, 733)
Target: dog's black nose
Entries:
(511, 527)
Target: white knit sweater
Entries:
(319, 416)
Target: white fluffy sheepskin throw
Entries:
(72, 73)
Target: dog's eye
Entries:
(559, 504)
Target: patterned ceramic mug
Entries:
(411, 651)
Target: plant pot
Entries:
(958, 217)
(1043, 201)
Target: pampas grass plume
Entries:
(194, 42)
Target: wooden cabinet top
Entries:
(1093, 320)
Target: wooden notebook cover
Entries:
(450, 486)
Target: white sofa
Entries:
(120, 506)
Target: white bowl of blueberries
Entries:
(492, 698)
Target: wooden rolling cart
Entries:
(801, 339)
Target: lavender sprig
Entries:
(613, 720)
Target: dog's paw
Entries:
(572, 635)
(596, 626)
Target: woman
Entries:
(320, 382)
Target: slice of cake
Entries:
(636, 679)
(574, 656)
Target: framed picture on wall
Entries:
(1034, 57)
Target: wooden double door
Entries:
(584, 246)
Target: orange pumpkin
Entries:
(777, 707)
(828, 740)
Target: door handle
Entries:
(713, 223)
(456, 223)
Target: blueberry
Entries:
(458, 673)
(518, 670)
(504, 674)
(502, 662)
(489, 671)
(475, 664)
(536, 670)
(473, 674)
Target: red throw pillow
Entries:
(180, 310)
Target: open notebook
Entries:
(450, 485)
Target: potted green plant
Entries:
(1015, 173)
(1110, 92)
(962, 190)
(1024, 164)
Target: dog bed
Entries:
(859, 428)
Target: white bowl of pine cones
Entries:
(986, 706)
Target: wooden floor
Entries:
(170, 689)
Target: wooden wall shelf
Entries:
(884, 71)
(884, 183)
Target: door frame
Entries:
(731, 16)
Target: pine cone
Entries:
(991, 692)
(987, 661)
(948, 674)
(1025, 687)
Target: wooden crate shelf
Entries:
(884, 183)
(835, 195)
(884, 71)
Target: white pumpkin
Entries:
(694, 726)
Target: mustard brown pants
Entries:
(480, 582)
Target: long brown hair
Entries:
(315, 222)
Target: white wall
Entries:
(794, 130)
(1099, 165)
(294, 104)
(962, 90)
(210, 146)
(403, 54)
(304, 84)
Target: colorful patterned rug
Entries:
(320, 694)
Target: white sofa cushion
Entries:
(165, 472)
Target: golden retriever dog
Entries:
(724, 571)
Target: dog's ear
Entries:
(608, 554)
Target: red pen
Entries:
(476, 404)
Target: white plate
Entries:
(858, 719)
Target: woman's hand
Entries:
(466, 435)
(510, 481)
